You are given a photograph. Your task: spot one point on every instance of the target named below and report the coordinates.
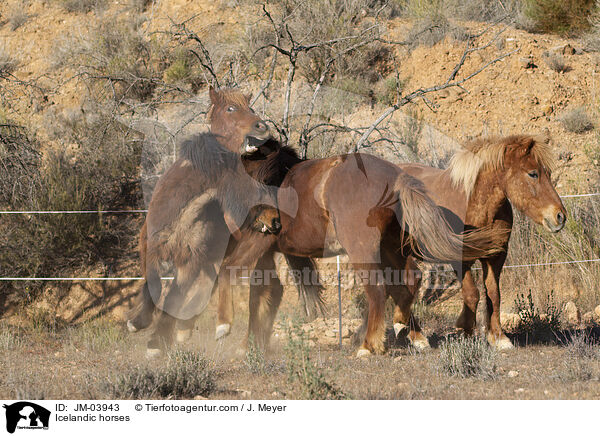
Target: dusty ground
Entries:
(76, 362)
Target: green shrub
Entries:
(468, 357)
(532, 320)
(388, 89)
(186, 374)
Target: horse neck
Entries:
(487, 198)
(272, 168)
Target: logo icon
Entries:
(26, 415)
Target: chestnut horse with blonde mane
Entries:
(373, 211)
(477, 190)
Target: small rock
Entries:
(245, 395)
(512, 374)
(519, 390)
(200, 397)
(527, 62)
(397, 358)
(331, 333)
(572, 313)
(547, 109)
(597, 313)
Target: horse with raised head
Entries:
(477, 190)
(198, 204)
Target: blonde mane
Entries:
(488, 153)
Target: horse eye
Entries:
(231, 109)
(533, 174)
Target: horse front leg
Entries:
(375, 338)
(491, 279)
(467, 320)
(240, 260)
(265, 298)
(404, 296)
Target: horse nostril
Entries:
(560, 218)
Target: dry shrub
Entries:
(17, 15)
(474, 10)
(7, 62)
(531, 244)
(557, 63)
(82, 6)
(100, 174)
(565, 17)
(468, 357)
(186, 374)
(312, 380)
(315, 21)
(577, 120)
(116, 52)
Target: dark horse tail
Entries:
(310, 290)
(430, 235)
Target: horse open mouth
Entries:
(252, 143)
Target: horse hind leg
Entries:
(140, 317)
(185, 299)
(374, 341)
(467, 319)
(184, 329)
(265, 299)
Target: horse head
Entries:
(528, 182)
(235, 124)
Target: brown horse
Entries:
(368, 208)
(197, 204)
(477, 190)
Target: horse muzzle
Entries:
(253, 143)
(555, 223)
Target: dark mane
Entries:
(275, 166)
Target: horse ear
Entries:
(214, 95)
(544, 137)
(527, 145)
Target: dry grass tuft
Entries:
(186, 374)
(468, 357)
(313, 381)
(557, 63)
(577, 120)
(565, 17)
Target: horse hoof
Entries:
(363, 352)
(504, 344)
(153, 353)
(398, 327)
(222, 331)
(421, 344)
(183, 335)
(131, 327)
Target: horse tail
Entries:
(429, 234)
(140, 316)
(309, 292)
